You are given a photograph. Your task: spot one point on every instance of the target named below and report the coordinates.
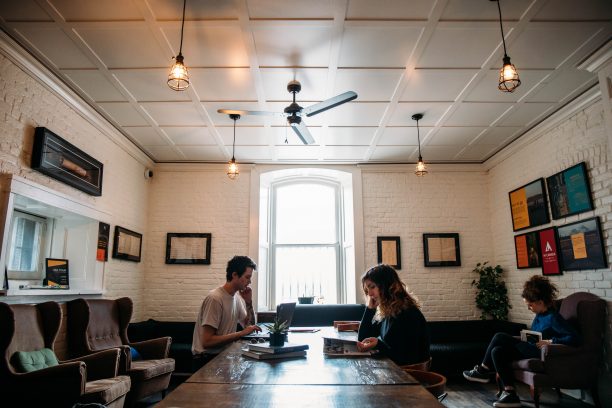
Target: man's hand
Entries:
(247, 295)
(367, 344)
(250, 329)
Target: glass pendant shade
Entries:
(232, 169)
(508, 77)
(178, 79)
(421, 168)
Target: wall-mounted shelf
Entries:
(50, 292)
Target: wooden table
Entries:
(231, 380)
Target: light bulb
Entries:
(421, 168)
(508, 77)
(232, 169)
(178, 79)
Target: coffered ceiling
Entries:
(440, 58)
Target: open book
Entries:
(531, 336)
(343, 347)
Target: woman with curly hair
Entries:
(392, 322)
(539, 295)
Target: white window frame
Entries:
(43, 245)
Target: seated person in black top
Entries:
(392, 322)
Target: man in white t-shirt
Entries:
(221, 310)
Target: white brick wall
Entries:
(26, 104)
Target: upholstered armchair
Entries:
(100, 324)
(562, 366)
(91, 379)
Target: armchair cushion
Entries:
(146, 369)
(529, 364)
(107, 389)
(27, 361)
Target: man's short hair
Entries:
(239, 264)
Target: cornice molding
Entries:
(41, 74)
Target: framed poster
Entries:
(441, 249)
(188, 248)
(581, 245)
(389, 251)
(103, 237)
(56, 273)
(548, 251)
(528, 205)
(127, 244)
(527, 250)
(59, 159)
(569, 192)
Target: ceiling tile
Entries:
(146, 136)
(252, 136)
(476, 152)
(432, 112)
(562, 85)
(254, 153)
(356, 136)
(369, 84)
(354, 114)
(402, 136)
(454, 136)
(123, 113)
(148, 85)
(499, 135)
(393, 153)
(389, 9)
(124, 47)
(202, 153)
(271, 9)
(95, 85)
(476, 114)
(377, 46)
(216, 84)
(298, 152)
(438, 153)
(22, 10)
(470, 10)
(165, 10)
(486, 90)
(437, 84)
(222, 119)
(186, 135)
(275, 80)
(564, 10)
(107, 10)
(164, 153)
(53, 44)
(173, 114)
(526, 114)
(282, 133)
(352, 153)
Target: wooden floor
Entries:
(461, 394)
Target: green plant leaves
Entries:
(491, 293)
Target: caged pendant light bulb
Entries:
(232, 167)
(178, 79)
(508, 76)
(421, 168)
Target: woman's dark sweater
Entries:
(403, 338)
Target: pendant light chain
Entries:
(234, 143)
(501, 27)
(182, 27)
(419, 138)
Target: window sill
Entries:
(50, 292)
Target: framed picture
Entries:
(389, 251)
(548, 251)
(528, 205)
(569, 192)
(59, 159)
(188, 248)
(441, 249)
(127, 244)
(527, 250)
(581, 245)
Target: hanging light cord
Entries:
(501, 28)
(419, 138)
(234, 143)
(182, 26)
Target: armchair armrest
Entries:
(154, 348)
(67, 379)
(556, 350)
(102, 364)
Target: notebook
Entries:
(284, 312)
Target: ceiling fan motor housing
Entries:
(294, 119)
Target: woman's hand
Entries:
(541, 343)
(367, 344)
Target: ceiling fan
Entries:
(295, 112)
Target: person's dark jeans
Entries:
(502, 350)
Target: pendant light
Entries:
(178, 79)
(421, 168)
(232, 167)
(508, 77)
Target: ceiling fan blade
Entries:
(246, 112)
(329, 103)
(303, 133)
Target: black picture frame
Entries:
(127, 244)
(529, 205)
(527, 250)
(188, 248)
(56, 158)
(389, 252)
(441, 249)
(581, 245)
(570, 192)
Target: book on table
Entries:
(343, 347)
(286, 348)
(258, 355)
(531, 336)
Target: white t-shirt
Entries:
(221, 311)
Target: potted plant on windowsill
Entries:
(491, 293)
(278, 332)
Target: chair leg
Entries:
(535, 394)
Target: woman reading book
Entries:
(539, 295)
(392, 322)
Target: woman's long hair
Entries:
(394, 298)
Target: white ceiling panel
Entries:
(562, 85)
(123, 113)
(454, 136)
(95, 85)
(56, 46)
(138, 83)
(254, 153)
(389, 9)
(403, 135)
(224, 120)
(527, 113)
(107, 10)
(498, 136)
(565, 10)
(298, 152)
(379, 46)
(486, 89)
(397, 154)
(273, 9)
(216, 84)
(146, 136)
(471, 10)
(476, 114)
(281, 133)
(173, 114)
(354, 114)
(369, 84)
(165, 10)
(202, 153)
(185, 135)
(275, 80)
(438, 153)
(432, 112)
(164, 153)
(476, 152)
(436, 84)
(28, 10)
(344, 153)
(246, 135)
(357, 136)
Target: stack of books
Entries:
(263, 351)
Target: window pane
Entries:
(305, 213)
(25, 245)
(306, 271)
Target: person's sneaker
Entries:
(477, 374)
(508, 399)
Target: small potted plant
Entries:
(305, 300)
(491, 293)
(278, 332)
